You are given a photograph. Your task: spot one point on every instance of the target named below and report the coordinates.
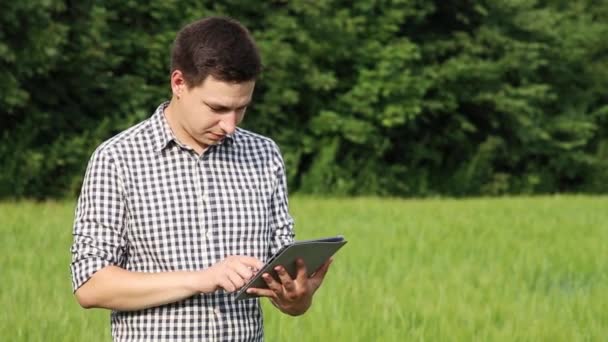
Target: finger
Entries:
(273, 285)
(226, 284)
(285, 278)
(250, 262)
(322, 271)
(262, 292)
(242, 269)
(236, 280)
(302, 273)
(325, 266)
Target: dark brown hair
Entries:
(216, 46)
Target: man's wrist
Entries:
(297, 308)
(199, 282)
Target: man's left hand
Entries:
(293, 296)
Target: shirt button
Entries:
(205, 198)
(217, 311)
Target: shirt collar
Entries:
(231, 139)
(163, 134)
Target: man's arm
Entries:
(291, 296)
(118, 289)
(280, 221)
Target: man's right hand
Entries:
(230, 274)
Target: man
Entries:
(179, 211)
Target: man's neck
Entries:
(180, 133)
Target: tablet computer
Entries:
(314, 253)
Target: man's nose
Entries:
(228, 122)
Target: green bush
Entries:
(406, 98)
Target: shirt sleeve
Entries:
(99, 224)
(281, 222)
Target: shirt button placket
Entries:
(204, 199)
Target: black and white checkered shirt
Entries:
(151, 204)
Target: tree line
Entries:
(396, 98)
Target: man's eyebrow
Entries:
(217, 106)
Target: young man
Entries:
(179, 211)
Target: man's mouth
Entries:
(216, 136)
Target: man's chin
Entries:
(209, 141)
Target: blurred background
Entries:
(391, 115)
(400, 98)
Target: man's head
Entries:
(214, 65)
(216, 46)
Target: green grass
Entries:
(511, 269)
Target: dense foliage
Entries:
(404, 98)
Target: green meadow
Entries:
(504, 269)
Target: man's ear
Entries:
(178, 83)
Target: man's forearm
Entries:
(118, 289)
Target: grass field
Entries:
(510, 269)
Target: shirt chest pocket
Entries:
(240, 220)
(242, 202)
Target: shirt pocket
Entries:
(242, 219)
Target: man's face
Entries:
(212, 110)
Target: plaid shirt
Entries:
(151, 204)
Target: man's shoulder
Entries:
(254, 140)
(117, 144)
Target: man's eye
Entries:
(221, 110)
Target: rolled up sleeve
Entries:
(100, 220)
(281, 222)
